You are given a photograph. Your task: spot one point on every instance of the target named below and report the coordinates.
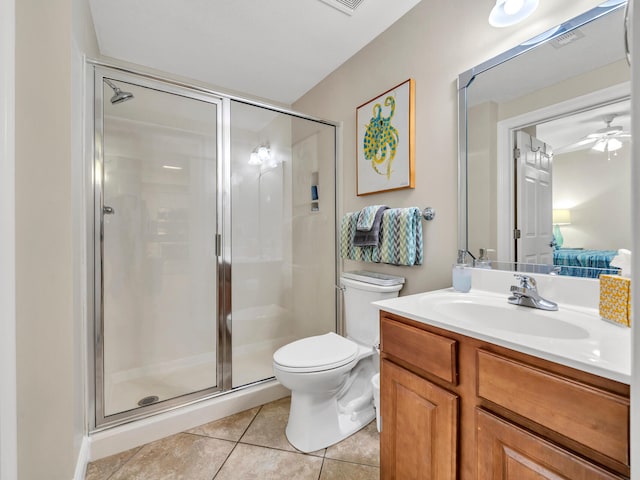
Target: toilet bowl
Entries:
(329, 375)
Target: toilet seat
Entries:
(317, 353)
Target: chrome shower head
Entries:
(119, 96)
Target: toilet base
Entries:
(316, 423)
(319, 419)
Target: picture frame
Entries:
(385, 132)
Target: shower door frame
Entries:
(223, 257)
(96, 71)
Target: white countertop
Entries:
(582, 340)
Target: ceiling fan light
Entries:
(614, 144)
(510, 12)
(607, 145)
(599, 146)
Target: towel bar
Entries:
(429, 214)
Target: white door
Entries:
(534, 161)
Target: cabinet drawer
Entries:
(508, 452)
(585, 414)
(432, 353)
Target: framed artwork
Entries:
(385, 128)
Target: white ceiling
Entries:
(272, 49)
(600, 44)
(563, 133)
(545, 65)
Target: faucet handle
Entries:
(526, 281)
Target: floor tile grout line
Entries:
(250, 423)
(204, 435)
(298, 452)
(225, 461)
(201, 435)
(280, 449)
(237, 442)
(128, 460)
(321, 467)
(352, 462)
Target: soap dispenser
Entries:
(461, 273)
(483, 259)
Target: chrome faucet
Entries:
(526, 294)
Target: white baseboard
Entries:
(83, 460)
(124, 437)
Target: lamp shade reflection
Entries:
(561, 216)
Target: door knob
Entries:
(107, 210)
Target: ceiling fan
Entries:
(607, 139)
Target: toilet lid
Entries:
(321, 352)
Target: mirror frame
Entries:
(466, 78)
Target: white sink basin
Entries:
(574, 336)
(513, 318)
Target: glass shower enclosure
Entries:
(213, 241)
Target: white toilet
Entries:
(330, 376)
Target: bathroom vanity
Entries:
(469, 398)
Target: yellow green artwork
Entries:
(381, 139)
(385, 141)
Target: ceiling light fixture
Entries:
(264, 153)
(607, 145)
(509, 12)
(260, 155)
(254, 159)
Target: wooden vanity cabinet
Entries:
(454, 407)
(420, 426)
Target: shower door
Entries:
(157, 241)
(283, 234)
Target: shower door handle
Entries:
(107, 210)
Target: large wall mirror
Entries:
(544, 159)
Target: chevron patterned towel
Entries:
(371, 235)
(400, 238)
(367, 217)
(348, 250)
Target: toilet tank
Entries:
(361, 319)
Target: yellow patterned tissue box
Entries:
(615, 299)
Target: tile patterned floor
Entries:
(248, 445)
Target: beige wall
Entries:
(432, 44)
(44, 309)
(49, 323)
(598, 192)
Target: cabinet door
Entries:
(419, 427)
(507, 452)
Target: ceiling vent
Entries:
(566, 38)
(345, 6)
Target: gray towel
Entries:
(364, 238)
